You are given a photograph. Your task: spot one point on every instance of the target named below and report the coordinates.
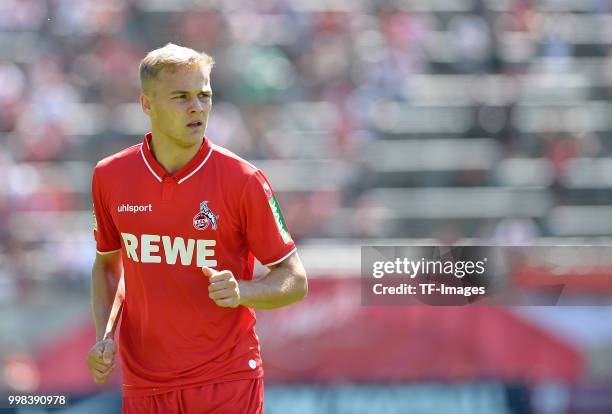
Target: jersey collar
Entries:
(159, 172)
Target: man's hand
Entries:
(223, 288)
(101, 360)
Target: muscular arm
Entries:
(107, 293)
(284, 284)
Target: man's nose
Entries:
(195, 106)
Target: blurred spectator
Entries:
(471, 37)
(23, 14)
(11, 94)
(516, 231)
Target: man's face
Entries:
(178, 102)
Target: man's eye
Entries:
(180, 97)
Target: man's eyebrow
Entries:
(206, 91)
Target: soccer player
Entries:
(178, 221)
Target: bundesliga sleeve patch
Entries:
(95, 222)
(267, 190)
(280, 221)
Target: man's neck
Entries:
(171, 156)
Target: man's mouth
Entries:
(194, 124)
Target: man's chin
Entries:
(191, 139)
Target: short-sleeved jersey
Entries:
(218, 211)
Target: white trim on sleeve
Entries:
(112, 251)
(283, 258)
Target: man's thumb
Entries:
(109, 352)
(207, 271)
(98, 349)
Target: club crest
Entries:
(205, 218)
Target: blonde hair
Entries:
(171, 57)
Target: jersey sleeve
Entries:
(105, 232)
(266, 231)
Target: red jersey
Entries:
(218, 211)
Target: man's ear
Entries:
(145, 103)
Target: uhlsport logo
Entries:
(131, 208)
(205, 218)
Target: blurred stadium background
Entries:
(377, 122)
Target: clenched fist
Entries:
(223, 288)
(101, 360)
